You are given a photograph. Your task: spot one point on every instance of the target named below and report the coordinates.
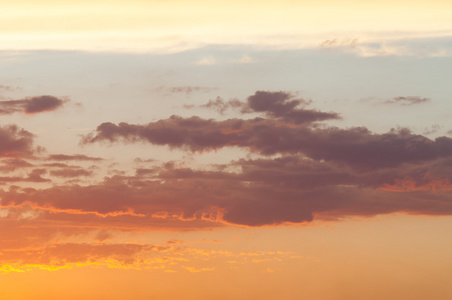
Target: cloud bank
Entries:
(306, 170)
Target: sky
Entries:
(225, 150)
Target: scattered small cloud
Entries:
(190, 89)
(187, 90)
(220, 105)
(409, 100)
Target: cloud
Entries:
(275, 105)
(70, 172)
(339, 43)
(221, 106)
(266, 191)
(357, 147)
(185, 89)
(60, 255)
(33, 176)
(409, 100)
(78, 157)
(320, 171)
(15, 142)
(190, 89)
(31, 105)
(284, 105)
(12, 164)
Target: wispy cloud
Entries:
(188, 90)
(79, 157)
(408, 100)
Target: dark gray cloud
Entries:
(31, 105)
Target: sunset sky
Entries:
(226, 150)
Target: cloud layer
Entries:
(306, 170)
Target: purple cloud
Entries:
(31, 105)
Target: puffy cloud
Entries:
(31, 105)
(320, 171)
(283, 105)
(275, 105)
(323, 171)
(357, 146)
(15, 142)
(193, 133)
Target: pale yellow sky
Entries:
(178, 25)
